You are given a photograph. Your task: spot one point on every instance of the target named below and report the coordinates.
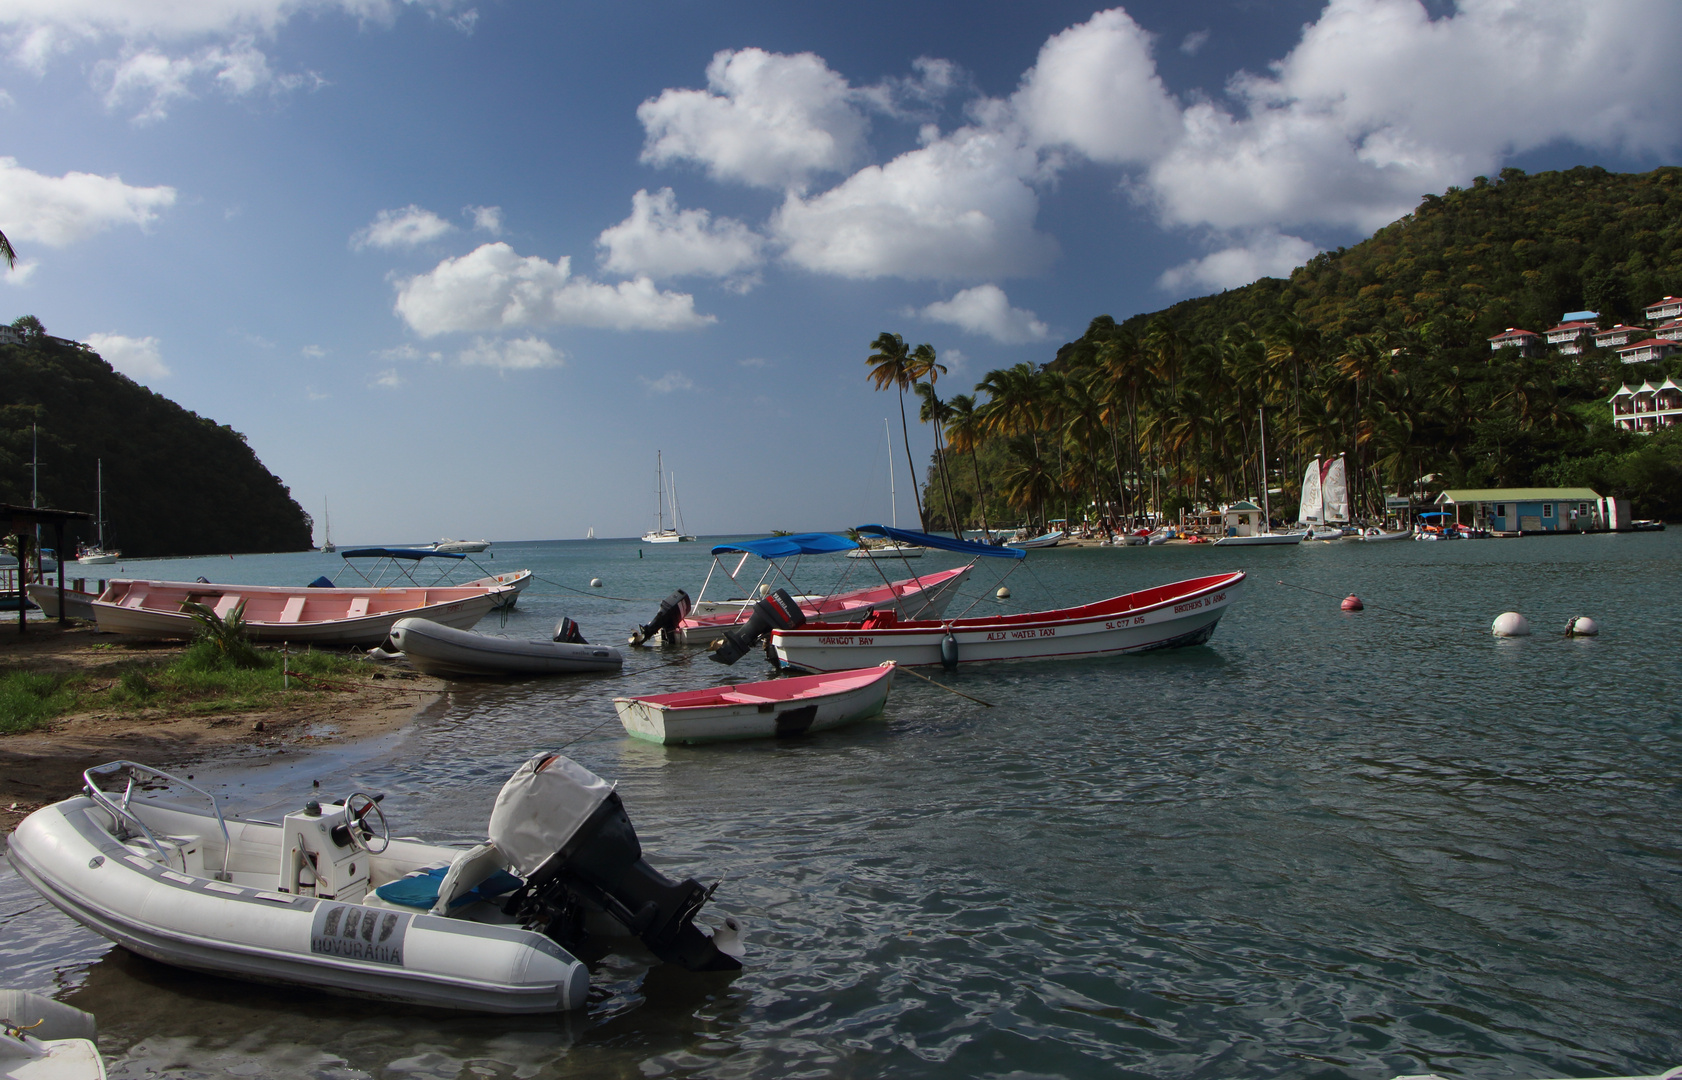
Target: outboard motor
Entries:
(567, 631)
(776, 612)
(564, 829)
(673, 610)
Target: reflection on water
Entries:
(1327, 844)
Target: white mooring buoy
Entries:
(1003, 593)
(595, 583)
(1510, 624)
(1582, 626)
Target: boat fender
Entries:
(949, 651)
(567, 631)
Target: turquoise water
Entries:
(1324, 845)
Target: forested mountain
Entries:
(176, 483)
(1379, 351)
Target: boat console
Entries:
(327, 852)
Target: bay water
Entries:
(1326, 844)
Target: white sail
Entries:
(1313, 509)
(1334, 490)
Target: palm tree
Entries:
(6, 252)
(964, 433)
(895, 364)
(937, 410)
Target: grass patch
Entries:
(203, 679)
(29, 699)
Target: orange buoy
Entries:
(1353, 603)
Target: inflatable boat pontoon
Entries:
(327, 899)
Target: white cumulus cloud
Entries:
(986, 310)
(1379, 103)
(495, 288)
(407, 227)
(956, 208)
(138, 358)
(662, 241)
(157, 79)
(517, 355)
(61, 210)
(765, 119)
(1094, 88)
(1266, 254)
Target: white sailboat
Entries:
(97, 555)
(1264, 534)
(889, 550)
(660, 534)
(1325, 498)
(327, 544)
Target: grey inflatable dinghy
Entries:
(443, 650)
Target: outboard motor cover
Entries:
(564, 829)
(673, 610)
(541, 806)
(567, 631)
(776, 612)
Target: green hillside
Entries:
(1378, 351)
(176, 483)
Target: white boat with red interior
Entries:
(921, 596)
(773, 709)
(300, 615)
(1168, 616)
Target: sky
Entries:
(462, 267)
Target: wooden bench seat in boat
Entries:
(293, 611)
(358, 607)
(228, 602)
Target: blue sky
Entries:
(462, 267)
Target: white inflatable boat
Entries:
(327, 899)
(443, 650)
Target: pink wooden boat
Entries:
(776, 708)
(1184, 613)
(925, 596)
(303, 615)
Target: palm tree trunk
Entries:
(916, 492)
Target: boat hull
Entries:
(745, 711)
(1261, 540)
(1171, 616)
(361, 617)
(440, 650)
(65, 852)
(515, 582)
(77, 605)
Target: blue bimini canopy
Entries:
(943, 543)
(400, 553)
(781, 547)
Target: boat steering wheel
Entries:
(356, 816)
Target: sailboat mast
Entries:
(660, 491)
(1267, 512)
(99, 514)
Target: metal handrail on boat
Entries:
(120, 812)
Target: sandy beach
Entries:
(46, 764)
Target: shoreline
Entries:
(45, 765)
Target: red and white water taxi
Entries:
(1168, 616)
